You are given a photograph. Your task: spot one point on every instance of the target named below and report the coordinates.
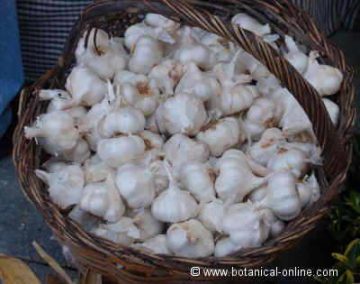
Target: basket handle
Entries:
(325, 131)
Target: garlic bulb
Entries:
(85, 219)
(125, 120)
(309, 191)
(167, 75)
(104, 60)
(96, 38)
(79, 153)
(325, 79)
(147, 224)
(198, 180)
(96, 170)
(118, 151)
(136, 185)
(190, 239)
(65, 185)
(182, 113)
(212, 215)
(103, 200)
(148, 53)
(180, 149)
(295, 56)
(152, 140)
(248, 23)
(267, 146)
(160, 176)
(235, 179)
(198, 84)
(245, 63)
(276, 225)
(58, 130)
(245, 225)
(225, 246)
(173, 204)
(85, 87)
(190, 50)
(333, 110)
(285, 203)
(289, 159)
(260, 116)
(157, 20)
(157, 245)
(222, 135)
(123, 232)
(77, 113)
(59, 99)
(223, 49)
(268, 85)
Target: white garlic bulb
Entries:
(245, 225)
(59, 99)
(65, 185)
(79, 153)
(182, 113)
(289, 159)
(157, 20)
(85, 219)
(173, 204)
(157, 245)
(123, 232)
(285, 203)
(276, 225)
(198, 84)
(325, 79)
(85, 87)
(212, 215)
(295, 56)
(103, 200)
(147, 224)
(221, 135)
(77, 113)
(262, 151)
(190, 239)
(152, 140)
(225, 246)
(180, 149)
(148, 53)
(198, 179)
(136, 185)
(222, 48)
(191, 50)
(333, 110)
(58, 130)
(235, 179)
(249, 23)
(118, 151)
(167, 75)
(96, 170)
(96, 38)
(309, 191)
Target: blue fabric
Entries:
(11, 72)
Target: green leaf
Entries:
(342, 258)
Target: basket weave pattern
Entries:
(132, 266)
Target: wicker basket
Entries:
(127, 265)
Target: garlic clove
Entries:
(157, 245)
(148, 226)
(225, 246)
(96, 170)
(249, 23)
(295, 56)
(211, 215)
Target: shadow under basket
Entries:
(127, 265)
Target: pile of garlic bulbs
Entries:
(175, 141)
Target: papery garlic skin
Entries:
(147, 224)
(57, 128)
(245, 225)
(85, 87)
(325, 79)
(173, 204)
(148, 53)
(221, 136)
(126, 120)
(103, 200)
(295, 56)
(123, 232)
(248, 23)
(180, 149)
(235, 179)
(285, 203)
(333, 110)
(118, 151)
(198, 84)
(182, 114)
(65, 185)
(212, 214)
(136, 185)
(309, 191)
(96, 170)
(157, 245)
(197, 179)
(190, 239)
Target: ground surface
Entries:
(21, 224)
